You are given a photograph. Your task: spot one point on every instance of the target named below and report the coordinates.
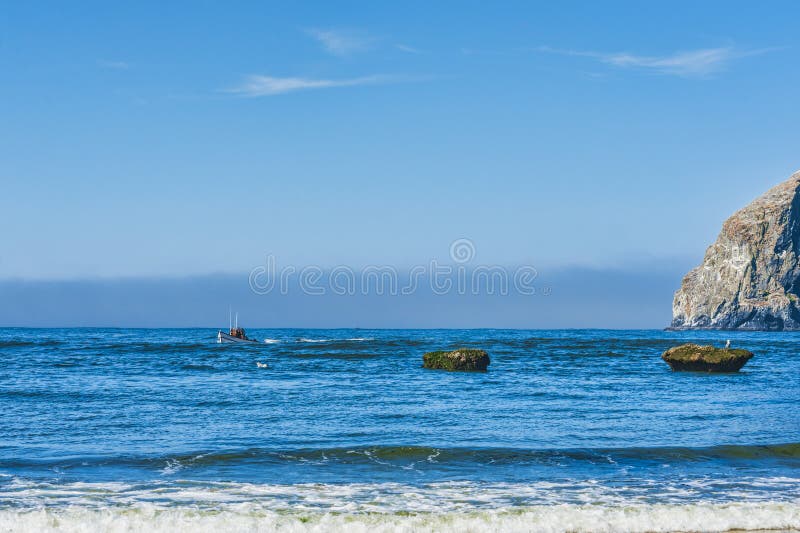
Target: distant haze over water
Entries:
(577, 297)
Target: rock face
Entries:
(750, 277)
(461, 359)
(705, 358)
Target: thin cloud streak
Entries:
(693, 63)
(117, 65)
(408, 49)
(257, 85)
(340, 43)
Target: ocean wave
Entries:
(351, 339)
(513, 455)
(144, 347)
(271, 341)
(393, 497)
(328, 351)
(196, 366)
(402, 456)
(28, 344)
(553, 519)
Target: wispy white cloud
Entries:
(118, 65)
(408, 49)
(341, 42)
(257, 85)
(693, 63)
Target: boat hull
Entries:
(224, 338)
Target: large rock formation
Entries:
(750, 277)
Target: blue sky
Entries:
(186, 138)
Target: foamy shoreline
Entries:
(551, 519)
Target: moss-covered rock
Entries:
(461, 359)
(693, 357)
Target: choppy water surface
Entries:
(145, 430)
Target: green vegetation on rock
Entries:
(694, 357)
(461, 359)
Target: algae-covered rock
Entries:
(461, 359)
(693, 357)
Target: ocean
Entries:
(569, 430)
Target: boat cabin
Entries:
(238, 333)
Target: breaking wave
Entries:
(388, 497)
(403, 455)
(258, 516)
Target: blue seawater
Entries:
(569, 430)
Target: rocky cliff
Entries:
(750, 277)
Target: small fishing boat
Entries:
(235, 333)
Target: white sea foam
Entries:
(548, 506)
(551, 519)
(172, 467)
(272, 341)
(449, 496)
